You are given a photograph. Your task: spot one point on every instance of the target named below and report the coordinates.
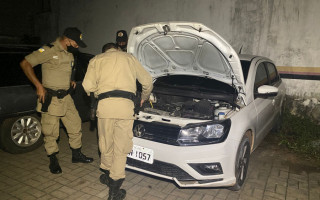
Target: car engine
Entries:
(187, 107)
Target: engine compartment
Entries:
(187, 107)
(191, 97)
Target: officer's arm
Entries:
(28, 70)
(89, 82)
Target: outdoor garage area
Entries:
(274, 173)
(233, 111)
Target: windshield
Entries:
(193, 83)
(10, 70)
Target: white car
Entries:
(209, 108)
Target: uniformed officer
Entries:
(122, 40)
(112, 77)
(54, 100)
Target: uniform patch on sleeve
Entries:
(41, 50)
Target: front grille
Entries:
(159, 132)
(161, 168)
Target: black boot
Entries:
(115, 193)
(104, 178)
(54, 164)
(77, 157)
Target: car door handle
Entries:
(273, 101)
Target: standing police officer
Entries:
(54, 100)
(112, 77)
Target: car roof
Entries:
(246, 57)
(249, 57)
(17, 49)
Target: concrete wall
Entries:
(287, 31)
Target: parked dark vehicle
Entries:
(20, 127)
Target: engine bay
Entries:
(191, 97)
(186, 107)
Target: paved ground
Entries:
(274, 173)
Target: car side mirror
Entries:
(266, 91)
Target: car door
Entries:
(274, 80)
(264, 106)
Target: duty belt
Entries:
(117, 93)
(60, 94)
(122, 94)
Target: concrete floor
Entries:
(274, 173)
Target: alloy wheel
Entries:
(26, 131)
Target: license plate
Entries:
(141, 153)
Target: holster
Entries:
(60, 94)
(46, 103)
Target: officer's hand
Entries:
(73, 84)
(41, 92)
(141, 102)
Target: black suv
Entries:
(20, 127)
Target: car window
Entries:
(193, 82)
(10, 70)
(245, 69)
(261, 77)
(273, 75)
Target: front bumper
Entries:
(172, 162)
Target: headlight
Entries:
(199, 134)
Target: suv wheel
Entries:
(21, 134)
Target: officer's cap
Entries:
(122, 36)
(74, 34)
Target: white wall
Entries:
(287, 31)
(303, 88)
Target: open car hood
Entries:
(176, 48)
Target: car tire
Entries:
(21, 134)
(242, 163)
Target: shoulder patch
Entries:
(41, 50)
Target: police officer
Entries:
(112, 77)
(122, 40)
(54, 100)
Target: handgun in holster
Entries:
(46, 103)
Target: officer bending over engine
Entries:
(112, 77)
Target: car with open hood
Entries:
(209, 109)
